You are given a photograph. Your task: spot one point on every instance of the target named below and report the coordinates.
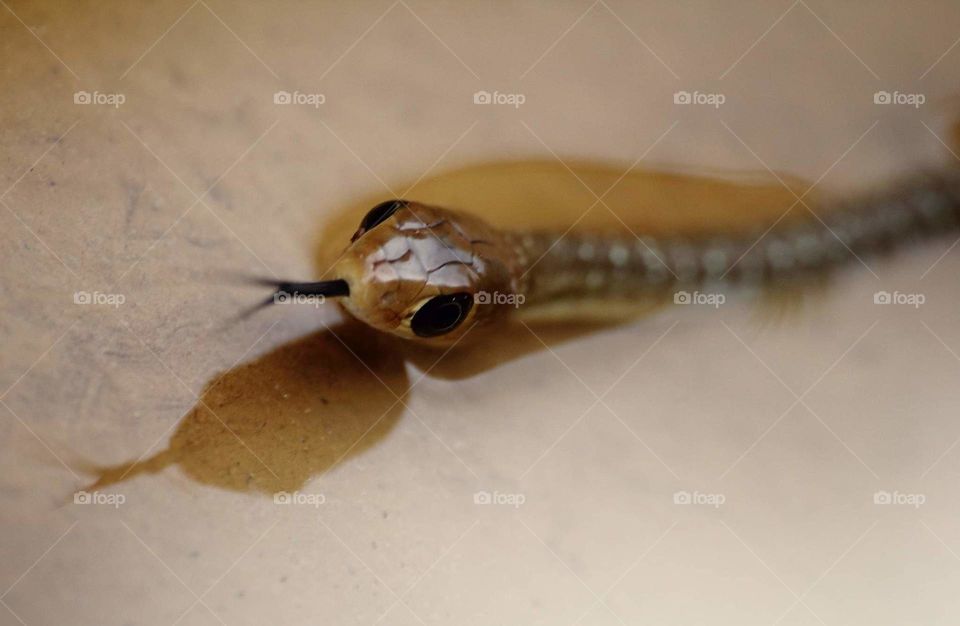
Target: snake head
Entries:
(426, 273)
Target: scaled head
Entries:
(415, 271)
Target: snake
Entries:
(431, 274)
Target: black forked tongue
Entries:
(286, 291)
(331, 288)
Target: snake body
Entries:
(583, 265)
(433, 274)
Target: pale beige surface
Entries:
(796, 422)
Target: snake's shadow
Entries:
(275, 422)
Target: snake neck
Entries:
(583, 266)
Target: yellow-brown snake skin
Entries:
(432, 274)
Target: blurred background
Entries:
(747, 464)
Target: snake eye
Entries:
(378, 215)
(441, 314)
